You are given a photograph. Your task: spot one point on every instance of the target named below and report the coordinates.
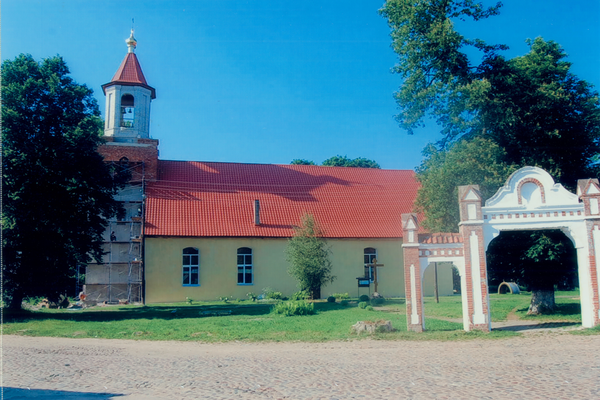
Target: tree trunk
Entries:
(542, 302)
(316, 293)
(16, 300)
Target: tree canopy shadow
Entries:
(166, 312)
(543, 325)
(562, 310)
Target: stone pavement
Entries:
(535, 366)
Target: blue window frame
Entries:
(191, 267)
(244, 266)
(370, 255)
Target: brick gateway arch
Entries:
(530, 200)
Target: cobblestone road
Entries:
(545, 366)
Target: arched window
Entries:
(370, 255)
(244, 266)
(191, 267)
(127, 111)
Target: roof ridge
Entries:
(284, 165)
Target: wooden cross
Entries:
(374, 265)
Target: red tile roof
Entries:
(440, 238)
(209, 199)
(130, 73)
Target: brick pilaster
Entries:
(589, 193)
(412, 274)
(471, 228)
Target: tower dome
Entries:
(131, 43)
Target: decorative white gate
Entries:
(530, 200)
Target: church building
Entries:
(205, 230)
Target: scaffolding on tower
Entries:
(119, 278)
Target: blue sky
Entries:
(270, 81)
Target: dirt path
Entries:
(512, 315)
(543, 366)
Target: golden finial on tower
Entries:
(131, 42)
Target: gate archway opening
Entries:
(538, 261)
(446, 294)
(530, 200)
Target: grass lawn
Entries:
(501, 305)
(450, 307)
(254, 322)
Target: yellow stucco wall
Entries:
(218, 268)
(445, 282)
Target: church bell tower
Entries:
(127, 147)
(128, 98)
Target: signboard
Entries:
(363, 282)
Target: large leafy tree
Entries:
(539, 112)
(479, 161)
(56, 190)
(532, 108)
(432, 55)
(308, 255)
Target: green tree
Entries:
(340, 161)
(540, 113)
(476, 162)
(308, 255)
(532, 106)
(299, 161)
(538, 260)
(344, 161)
(433, 61)
(56, 190)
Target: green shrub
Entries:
(331, 299)
(364, 297)
(252, 296)
(362, 304)
(301, 295)
(341, 296)
(33, 301)
(369, 308)
(344, 303)
(377, 301)
(272, 294)
(275, 295)
(291, 308)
